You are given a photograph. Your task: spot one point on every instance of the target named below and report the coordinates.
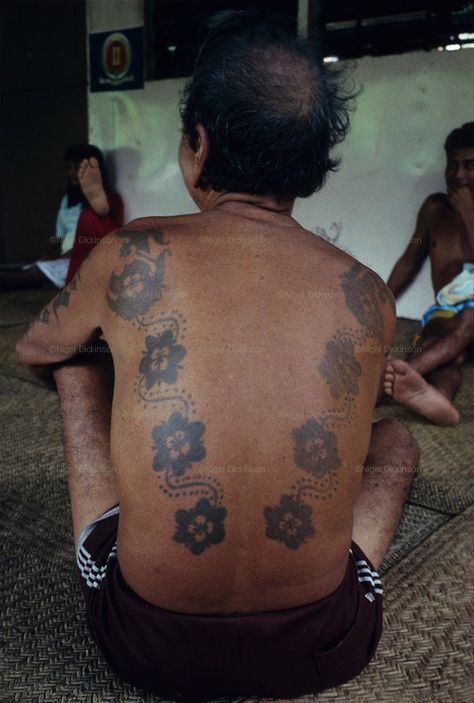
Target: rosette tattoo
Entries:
(178, 440)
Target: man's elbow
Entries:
(396, 285)
(30, 355)
(41, 370)
(22, 350)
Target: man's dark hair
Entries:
(272, 109)
(460, 138)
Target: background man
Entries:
(444, 232)
(201, 580)
(87, 212)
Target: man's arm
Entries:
(72, 320)
(411, 261)
(461, 201)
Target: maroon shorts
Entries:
(279, 654)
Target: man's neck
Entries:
(241, 203)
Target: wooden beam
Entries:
(308, 12)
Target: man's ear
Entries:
(200, 155)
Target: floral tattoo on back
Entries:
(363, 294)
(139, 285)
(178, 439)
(315, 447)
(315, 452)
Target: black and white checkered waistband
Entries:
(90, 571)
(369, 577)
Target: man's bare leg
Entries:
(408, 387)
(85, 394)
(90, 180)
(458, 333)
(447, 379)
(388, 473)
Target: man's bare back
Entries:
(247, 355)
(254, 498)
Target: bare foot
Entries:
(90, 180)
(409, 388)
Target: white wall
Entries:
(392, 159)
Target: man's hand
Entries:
(461, 200)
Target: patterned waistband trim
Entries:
(90, 572)
(366, 575)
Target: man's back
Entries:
(247, 354)
(253, 499)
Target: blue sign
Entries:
(116, 60)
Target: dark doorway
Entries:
(43, 110)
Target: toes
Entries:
(83, 167)
(400, 367)
(388, 384)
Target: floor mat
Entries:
(48, 654)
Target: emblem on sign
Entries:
(116, 60)
(116, 57)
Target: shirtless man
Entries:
(444, 232)
(256, 499)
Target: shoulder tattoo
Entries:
(364, 294)
(138, 284)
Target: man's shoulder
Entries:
(326, 251)
(345, 263)
(362, 272)
(139, 228)
(435, 202)
(139, 237)
(344, 267)
(369, 291)
(433, 208)
(365, 293)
